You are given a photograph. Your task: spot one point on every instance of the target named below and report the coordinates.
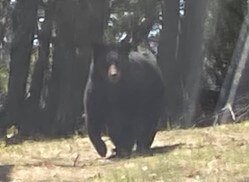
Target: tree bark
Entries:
(41, 65)
(2, 19)
(79, 25)
(167, 59)
(192, 57)
(232, 80)
(98, 18)
(59, 90)
(24, 24)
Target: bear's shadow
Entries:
(164, 149)
(154, 150)
(5, 171)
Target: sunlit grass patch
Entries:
(140, 169)
(200, 164)
(210, 154)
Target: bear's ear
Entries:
(125, 47)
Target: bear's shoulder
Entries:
(143, 58)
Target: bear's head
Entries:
(111, 60)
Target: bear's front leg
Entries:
(94, 133)
(121, 134)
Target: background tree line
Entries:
(46, 49)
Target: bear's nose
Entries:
(113, 74)
(113, 71)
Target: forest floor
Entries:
(213, 154)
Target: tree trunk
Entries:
(97, 17)
(34, 119)
(4, 17)
(192, 56)
(167, 59)
(231, 84)
(1, 23)
(24, 24)
(64, 54)
(41, 65)
(75, 21)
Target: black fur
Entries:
(130, 108)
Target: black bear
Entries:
(124, 97)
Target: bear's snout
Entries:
(113, 73)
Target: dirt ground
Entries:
(61, 160)
(75, 159)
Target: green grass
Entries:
(196, 155)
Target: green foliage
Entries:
(4, 75)
(33, 59)
(128, 16)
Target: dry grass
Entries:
(206, 155)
